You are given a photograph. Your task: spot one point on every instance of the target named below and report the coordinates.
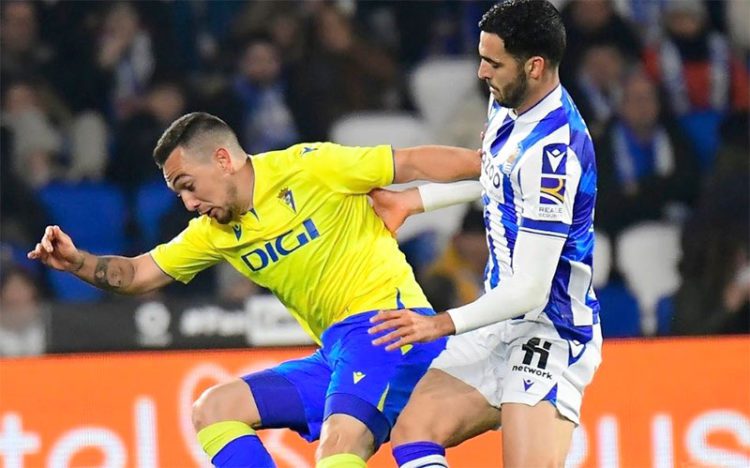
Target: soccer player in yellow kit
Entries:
(298, 222)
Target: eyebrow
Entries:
(487, 59)
(175, 181)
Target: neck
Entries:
(246, 180)
(545, 86)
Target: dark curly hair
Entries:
(527, 28)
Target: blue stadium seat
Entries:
(94, 215)
(664, 315)
(152, 201)
(619, 314)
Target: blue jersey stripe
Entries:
(494, 265)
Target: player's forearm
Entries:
(435, 196)
(109, 272)
(534, 263)
(437, 164)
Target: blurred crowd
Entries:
(87, 88)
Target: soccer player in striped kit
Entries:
(524, 352)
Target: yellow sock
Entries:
(215, 436)
(341, 460)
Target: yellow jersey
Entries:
(312, 237)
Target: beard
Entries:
(231, 211)
(514, 93)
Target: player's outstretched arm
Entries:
(534, 263)
(394, 207)
(436, 164)
(124, 275)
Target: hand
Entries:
(394, 207)
(407, 327)
(56, 250)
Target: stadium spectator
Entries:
(703, 79)
(22, 314)
(135, 137)
(267, 122)
(37, 142)
(646, 167)
(714, 297)
(590, 22)
(597, 86)
(126, 58)
(341, 73)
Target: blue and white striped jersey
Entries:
(539, 176)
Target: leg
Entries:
(463, 379)
(535, 435)
(290, 396)
(343, 433)
(542, 392)
(425, 418)
(224, 417)
(230, 401)
(368, 390)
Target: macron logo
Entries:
(553, 156)
(237, 231)
(527, 383)
(358, 376)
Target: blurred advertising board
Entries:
(658, 403)
(128, 324)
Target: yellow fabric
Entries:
(341, 460)
(217, 435)
(312, 237)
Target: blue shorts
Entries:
(347, 375)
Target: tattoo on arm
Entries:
(113, 274)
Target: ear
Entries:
(535, 67)
(224, 160)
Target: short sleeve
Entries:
(347, 169)
(189, 253)
(549, 183)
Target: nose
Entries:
(190, 202)
(483, 71)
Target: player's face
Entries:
(505, 77)
(205, 186)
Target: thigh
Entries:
(292, 395)
(369, 383)
(425, 416)
(477, 358)
(541, 365)
(534, 435)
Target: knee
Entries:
(224, 402)
(206, 409)
(345, 434)
(411, 427)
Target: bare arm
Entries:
(435, 163)
(123, 275)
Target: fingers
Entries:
(36, 253)
(48, 238)
(397, 323)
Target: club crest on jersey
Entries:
(287, 198)
(552, 189)
(507, 166)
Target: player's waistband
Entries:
(362, 320)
